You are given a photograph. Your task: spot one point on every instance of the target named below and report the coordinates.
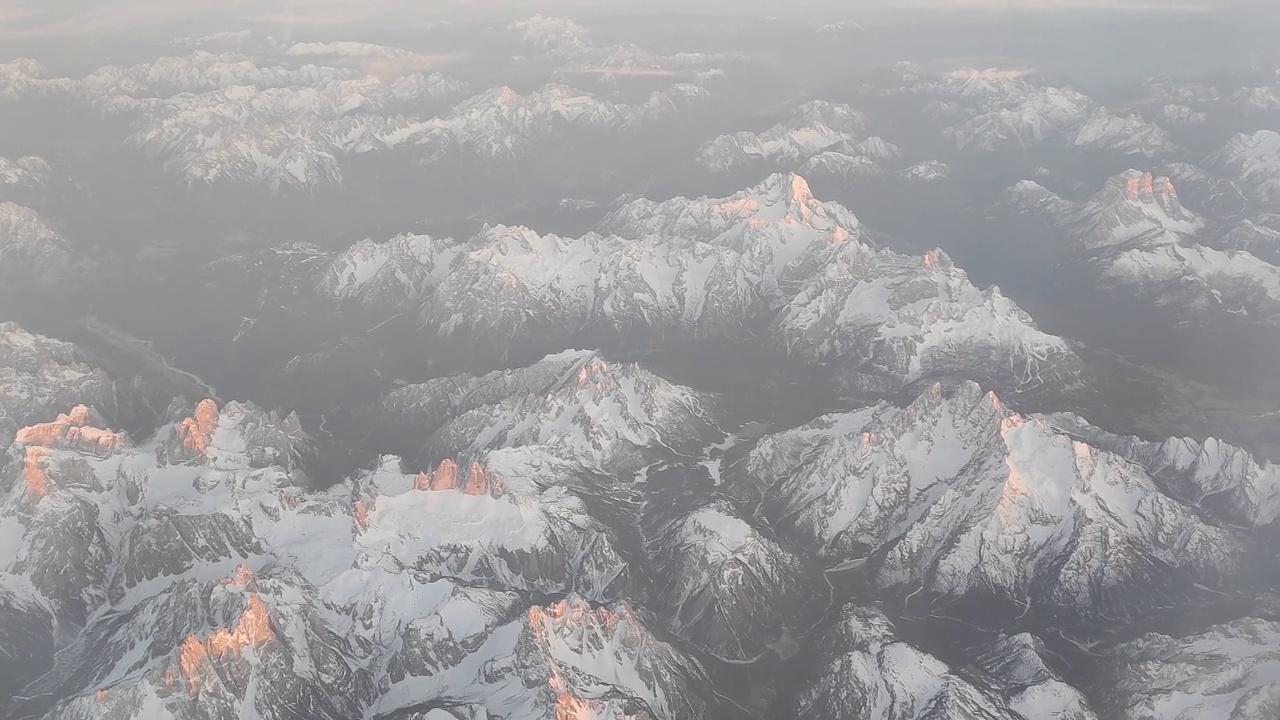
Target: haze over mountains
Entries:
(615, 365)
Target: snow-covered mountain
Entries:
(957, 495)
(1240, 99)
(817, 139)
(1221, 480)
(1018, 665)
(928, 171)
(112, 86)
(498, 125)
(271, 121)
(1226, 671)
(484, 527)
(1138, 237)
(778, 229)
(198, 567)
(771, 261)
(1125, 135)
(570, 44)
(868, 671)
(886, 320)
(23, 174)
(1175, 116)
(575, 405)
(278, 135)
(389, 276)
(1132, 208)
(1259, 236)
(989, 110)
(1207, 193)
(809, 129)
(1253, 161)
(197, 572)
(44, 377)
(732, 592)
(32, 253)
(548, 33)
(25, 78)
(297, 136)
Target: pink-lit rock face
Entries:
(477, 480)
(595, 372)
(196, 432)
(253, 629)
(554, 618)
(72, 431)
(933, 259)
(1131, 189)
(801, 200)
(243, 576)
(740, 207)
(1148, 188)
(33, 472)
(448, 476)
(362, 515)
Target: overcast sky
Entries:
(94, 17)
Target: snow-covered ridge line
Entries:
(384, 591)
(958, 496)
(1137, 236)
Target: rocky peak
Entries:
(195, 433)
(1140, 187)
(870, 672)
(1132, 207)
(477, 480)
(581, 647)
(34, 474)
(595, 372)
(1020, 497)
(252, 629)
(41, 377)
(574, 616)
(839, 117)
(79, 430)
(237, 435)
(789, 191)
(1252, 163)
(799, 196)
